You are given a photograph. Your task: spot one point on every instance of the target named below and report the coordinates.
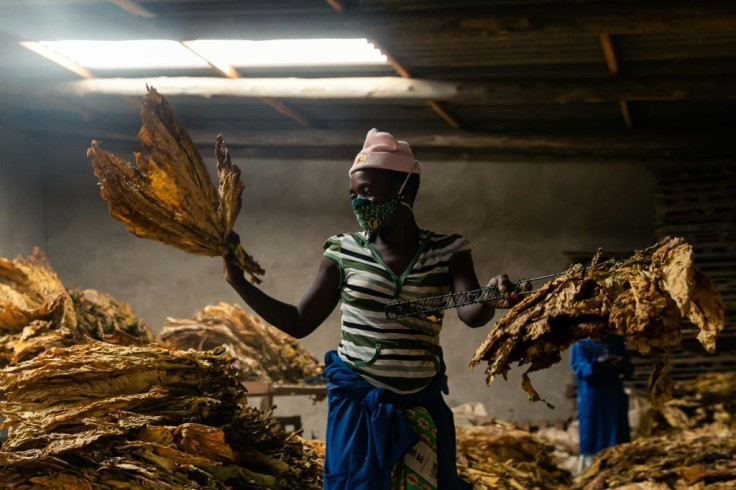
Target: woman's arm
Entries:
(297, 321)
(463, 278)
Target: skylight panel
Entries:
(288, 52)
(121, 55)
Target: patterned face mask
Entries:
(371, 215)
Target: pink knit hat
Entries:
(381, 150)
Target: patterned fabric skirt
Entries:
(402, 476)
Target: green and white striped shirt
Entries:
(402, 355)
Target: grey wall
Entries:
(519, 217)
(21, 194)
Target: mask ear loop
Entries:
(401, 190)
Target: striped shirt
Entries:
(402, 355)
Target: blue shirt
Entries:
(603, 405)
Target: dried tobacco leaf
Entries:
(102, 317)
(263, 353)
(500, 456)
(704, 400)
(643, 299)
(36, 312)
(168, 195)
(704, 458)
(106, 416)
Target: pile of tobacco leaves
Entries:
(500, 456)
(37, 313)
(168, 194)
(643, 299)
(702, 458)
(107, 416)
(262, 352)
(100, 316)
(701, 401)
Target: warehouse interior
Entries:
(546, 129)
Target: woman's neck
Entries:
(403, 233)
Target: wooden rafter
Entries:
(337, 5)
(402, 71)
(64, 62)
(70, 65)
(622, 145)
(609, 53)
(612, 62)
(398, 67)
(133, 8)
(60, 60)
(68, 106)
(625, 113)
(408, 89)
(232, 73)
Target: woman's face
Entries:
(372, 184)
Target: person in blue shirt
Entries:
(603, 406)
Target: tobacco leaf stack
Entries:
(168, 195)
(263, 353)
(707, 399)
(703, 458)
(642, 299)
(36, 312)
(102, 317)
(500, 456)
(106, 416)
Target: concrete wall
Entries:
(519, 217)
(21, 194)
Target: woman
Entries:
(388, 425)
(603, 406)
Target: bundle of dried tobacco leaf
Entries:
(643, 299)
(263, 353)
(314, 449)
(709, 398)
(36, 313)
(105, 416)
(704, 458)
(168, 195)
(102, 317)
(500, 456)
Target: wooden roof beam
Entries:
(335, 144)
(232, 73)
(75, 68)
(407, 89)
(68, 106)
(401, 70)
(133, 8)
(404, 73)
(612, 63)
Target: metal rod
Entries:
(401, 309)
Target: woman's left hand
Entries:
(510, 291)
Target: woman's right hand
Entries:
(233, 274)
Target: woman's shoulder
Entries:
(337, 241)
(445, 240)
